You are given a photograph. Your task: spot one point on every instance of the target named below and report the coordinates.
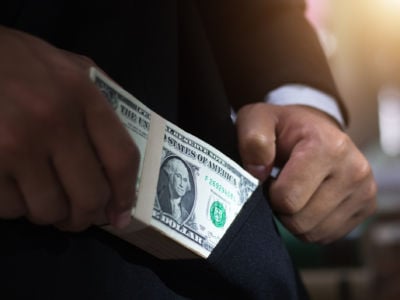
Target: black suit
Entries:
(185, 60)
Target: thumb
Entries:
(256, 136)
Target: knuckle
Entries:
(290, 203)
(361, 171)
(35, 103)
(314, 137)
(339, 146)
(304, 154)
(40, 109)
(46, 111)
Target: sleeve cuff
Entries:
(297, 94)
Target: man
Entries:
(170, 194)
(67, 163)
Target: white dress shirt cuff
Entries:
(297, 94)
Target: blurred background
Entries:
(361, 39)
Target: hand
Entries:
(65, 158)
(325, 187)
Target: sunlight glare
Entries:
(391, 4)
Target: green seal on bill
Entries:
(218, 214)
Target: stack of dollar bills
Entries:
(188, 192)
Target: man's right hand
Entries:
(65, 158)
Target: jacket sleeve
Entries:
(260, 45)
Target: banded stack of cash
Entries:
(189, 193)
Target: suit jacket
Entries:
(190, 61)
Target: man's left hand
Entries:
(325, 187)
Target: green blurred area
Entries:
(346, 252)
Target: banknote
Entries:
(189, 192)
(206, 187)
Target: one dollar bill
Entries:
(189, 193)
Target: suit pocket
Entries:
(252, 256)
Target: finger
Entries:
(301, 176)
(44, 197)
(348, 214)
(83, 180)
(323, 235)
(12, 205)
(322, 203)
(119, 155)
(82, 61)
(350, 175)
(256, 136)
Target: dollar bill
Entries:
(189, 193)
(209, 190)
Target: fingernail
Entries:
(122, 220)
(258, 171)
